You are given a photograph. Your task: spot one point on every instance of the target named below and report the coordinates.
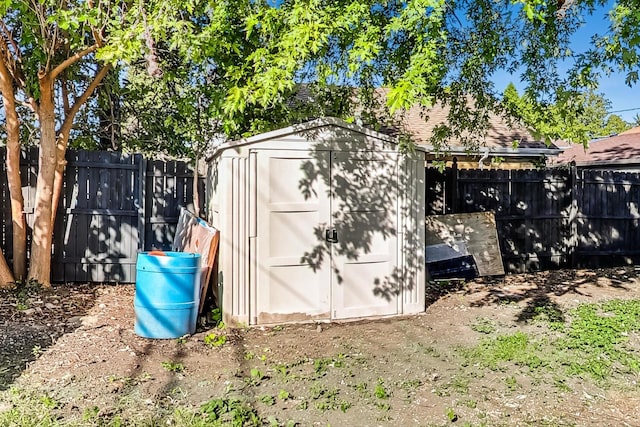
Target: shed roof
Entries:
(309, 126)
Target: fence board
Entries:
(565, 217)
(105, 211)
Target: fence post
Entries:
(451, 189)
(142, 209)
(573, 216)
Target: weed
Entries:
(282, 369)
(320, 367)
(214, 340)
(257, 374)
(460, 384)
(90, 413)
(326, 399)
(256, 377)
(512, 383)
(267, 399)
(23, 290)
(471, 404)
(284, 395)
(383, 406)
(249, 355)
(362, 388)
(561, 384)
(428, 350)
(22, 306)
(231, 411)
(451, 415)
(380, 392)
(37, 351)
(216, 318)
(175, 367)
(182, 340)
(484, 325)
(48, 402)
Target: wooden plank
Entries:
(195, 235)
(476, 230)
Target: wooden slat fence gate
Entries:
(548, 218)
(113, 206)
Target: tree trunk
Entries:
(196, 192)
(12, 127)
(6, 278)
(40, 266)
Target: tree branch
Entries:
(72, 60)
(65, 129)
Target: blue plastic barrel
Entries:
(167, 294)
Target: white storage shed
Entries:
(320, 221)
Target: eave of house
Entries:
(495, 151)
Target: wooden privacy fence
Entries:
(550, 218)
(112, 206)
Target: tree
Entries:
(48, 64)
(587, 118)
(614, 125)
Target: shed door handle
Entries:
(331, 235)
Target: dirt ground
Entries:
(76, 344)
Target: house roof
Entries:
(421, 122)
(621, 148)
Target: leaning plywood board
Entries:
(476, 232)
(195, 235)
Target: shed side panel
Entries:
(414, 235)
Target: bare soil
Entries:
(76, 344)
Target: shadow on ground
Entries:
(32, 319)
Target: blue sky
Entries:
(613, 87)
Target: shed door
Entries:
(364, 209)
(293, 270)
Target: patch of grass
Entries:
(517, 348)
(427, 349)
(483, 325)
(28, 409)
(230, 412)
(561, 384)
(598, 335)
(175, 367)
(550, 314)
(326, 399)
(592, 341)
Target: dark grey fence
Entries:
(113, 205)
(551, 218)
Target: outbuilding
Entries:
(320, 221)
